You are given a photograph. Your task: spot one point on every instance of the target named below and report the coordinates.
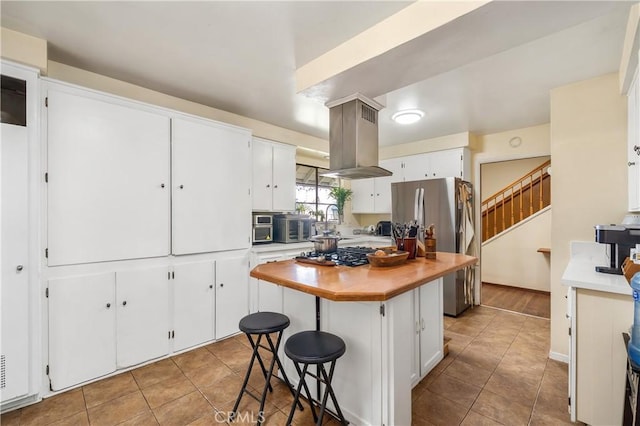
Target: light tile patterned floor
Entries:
(497, 372)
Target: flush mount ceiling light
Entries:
(407, 116)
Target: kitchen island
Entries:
(390, 319)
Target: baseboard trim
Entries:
(559, 357)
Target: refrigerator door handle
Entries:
(416, 200)
(420, 218)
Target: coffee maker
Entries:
(621, 240)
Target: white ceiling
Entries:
(488, 71)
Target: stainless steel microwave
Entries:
(262, 228)
(291, 228)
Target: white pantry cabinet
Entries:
(108, 178)
(274, 176)
(633, 144)
(232, 294)
(82, 332)
(142, 315)
(101, 322)
(210, 298)
(211, 200)
(193, 302)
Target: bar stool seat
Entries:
(263, 324)
(315, 348)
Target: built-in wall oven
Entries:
(262, 228)
(291, 228)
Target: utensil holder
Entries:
(410, 246)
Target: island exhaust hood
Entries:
(353, 138)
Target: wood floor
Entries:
(524, 301)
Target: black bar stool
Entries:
(315, 348)
(263, 324)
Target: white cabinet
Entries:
(374, 195)
(82, 332)
(232, 294)
(633, 144)
(428, 323)
(211, 168)
(274, 176)
(598, 355)
(98, 323)
(108, 179)
(193, 303)
(142, 315)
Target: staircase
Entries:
(516, 202)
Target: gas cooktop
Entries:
(347, 256)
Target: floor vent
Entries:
(3, 371)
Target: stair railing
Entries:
(519, 189)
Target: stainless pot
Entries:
(325, 243)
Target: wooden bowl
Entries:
(391, 259)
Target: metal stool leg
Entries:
(255, 347)
(296, 400)
(329, 390)
(284, 374)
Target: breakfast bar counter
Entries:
(391, 319)
(366, 283)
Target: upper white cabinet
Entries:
(274, 176)
(374, 195)
(108, 179)
(633, 144)
(211, 166)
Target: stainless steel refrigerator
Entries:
(447, 204)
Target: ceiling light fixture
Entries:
(407, 116)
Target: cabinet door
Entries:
(382, 198)
(108, 190)
(431, 326)
(232, 294)
(633, 145)
(447, 163)
(395, 166)
(363, 198)
(82, 329)
(193, 295)
(211, 182)
(142, 298)
(417, 167)
(262, 160)
(14, 282)
(284, 178)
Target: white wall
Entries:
(588, 151)
(512, 259)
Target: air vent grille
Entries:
(3, 371)
(368, 113)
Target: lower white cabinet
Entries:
(99, 323)
(82, 332)
(193, 302)
(142, 315)
(428, 332)
(232, 294)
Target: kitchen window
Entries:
(312, 192)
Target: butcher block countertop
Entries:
(360, 283)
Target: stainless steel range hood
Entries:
(353, 138)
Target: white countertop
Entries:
(581, 273)
(350, 240)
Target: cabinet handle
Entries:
(631, 163)
(422, 323)
(377, 195)
(210, 285)
(372, 195)
(636, 148)
(275, 186)
(271, 261)
(181, 186)
(417, 327)
(268, 186)
(108, 305)
(19, 268)
(124, 303)
(162, 185)
(221, 285)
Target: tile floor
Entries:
(497, 372)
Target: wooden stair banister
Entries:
(531, 193)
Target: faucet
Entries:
(326, 219)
